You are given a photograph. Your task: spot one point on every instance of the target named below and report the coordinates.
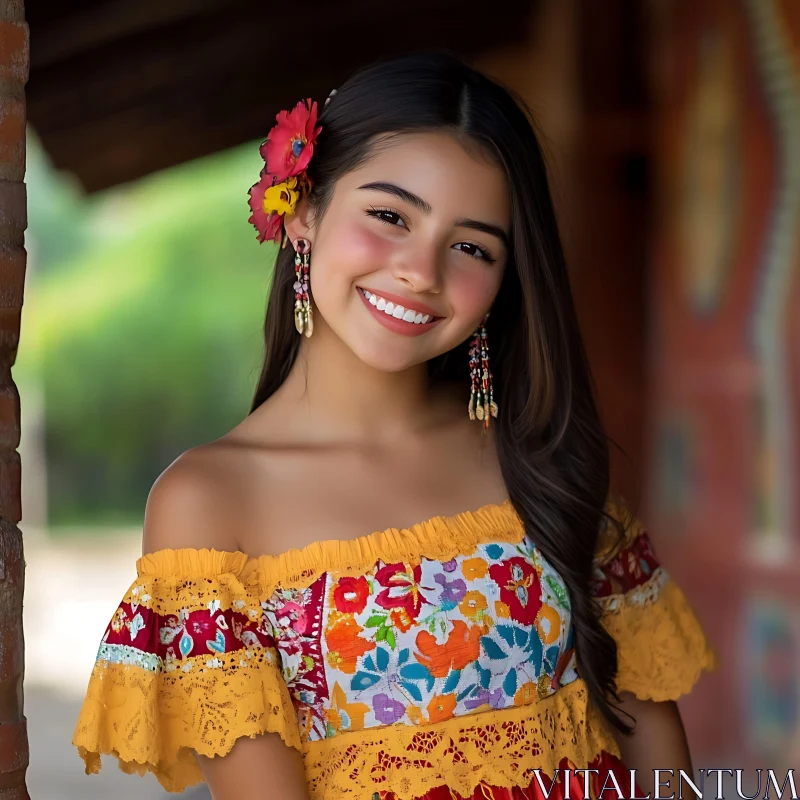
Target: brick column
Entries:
(14, 63)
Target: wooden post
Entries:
(14, 64)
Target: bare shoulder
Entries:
(196, 501)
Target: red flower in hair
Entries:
(267, 223)
(290, 144)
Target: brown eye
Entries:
(475, 251)
(387, 216)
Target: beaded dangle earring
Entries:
(303, 317)
(481, 401)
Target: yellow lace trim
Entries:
(440, 538)
(153, 720)
(494, 748)
(661, 645)
(170, 595)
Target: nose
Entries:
(420, 270)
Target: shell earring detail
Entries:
(481, 401)
(303, 316)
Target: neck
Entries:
(330, 389)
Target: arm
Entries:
(258, 769)
(191, 506)
(658, 742)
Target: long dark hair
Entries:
(551, 444)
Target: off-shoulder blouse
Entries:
(398, 663)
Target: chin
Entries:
(385, 358)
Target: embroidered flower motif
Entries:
(548, 624)
(441, 707)
(474, 569)
(345, 646)
(344, 716)
(520, 588)
(350, 595)
(290, 144)
(452, 591)
(402, 588)
(137, 624)
(292, 615)
(372, 671)
(462, 647)
(387, 710)
(118, 620)
(474, 607)
(494, 699)
(565, 660)
(177, 625)
(633, 567)
(527, 693)
(401, 619)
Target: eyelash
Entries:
(376, 213)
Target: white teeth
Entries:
(397, 311)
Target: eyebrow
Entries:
(401, 193)
(484, 227)
(418, 203)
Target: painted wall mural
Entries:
(724, 446)
(777, 267)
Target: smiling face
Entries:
(411, 250)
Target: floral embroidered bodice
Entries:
(440, 655)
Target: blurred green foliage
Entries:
(142, 323)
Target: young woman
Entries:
(402, 575)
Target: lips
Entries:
(397, 314)
(396, 310)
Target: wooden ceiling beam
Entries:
(125, 108)
(143, 68)
(110, 22)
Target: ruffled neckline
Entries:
(439, 538)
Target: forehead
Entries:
(453, 176)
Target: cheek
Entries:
(359, 250)
(472, 291)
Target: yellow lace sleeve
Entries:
(188, 663)
(661, 646)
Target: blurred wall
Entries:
(723, 357)
(672, 130)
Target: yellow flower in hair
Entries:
(281, 198)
